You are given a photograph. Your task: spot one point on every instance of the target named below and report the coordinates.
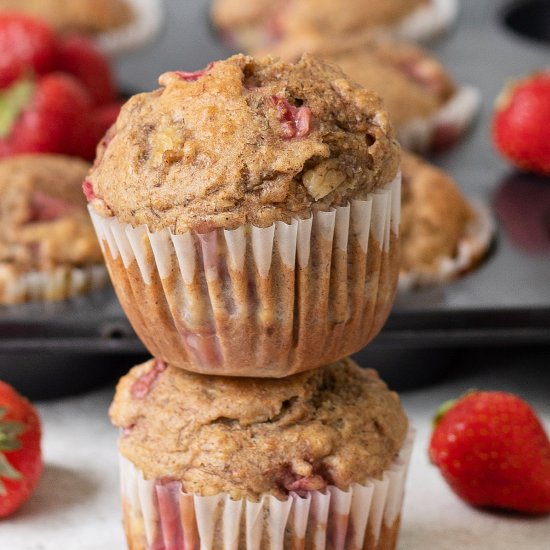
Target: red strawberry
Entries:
(493, 451)
(42, 115)
(79, 56)
(27, 45)
(521, 123)
(99, 120)
(20, 456)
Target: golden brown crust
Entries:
(434, 216)
(247, 141)
(43, 218)
(336, 425)
(83, 16)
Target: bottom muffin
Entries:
(315, 460)
(48, 248)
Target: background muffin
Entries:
(48, 249)
(249, 25)
(442, 234)
(326, 431)
(261, 184)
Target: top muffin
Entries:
(243, 141)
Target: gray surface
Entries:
(507, 300)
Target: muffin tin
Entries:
(505, 301)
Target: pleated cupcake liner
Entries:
(148, 17)
(160, 515)
(444, 127)
(427, 22)
(264, 302)
(59, 283)
(471, 249)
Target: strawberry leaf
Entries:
(7, 471)
(13, 101)
(10, 431)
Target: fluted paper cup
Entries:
(263, 302)
(444, 127)
(159, 515)
(471, 249)
(58, 283)
(145, 24)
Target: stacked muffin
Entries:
(248, 214)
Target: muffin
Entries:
(249, 215)
(115, 25)
(252, 24)
(427, 108)
(442, 234)
(48, 249)
(312, 459)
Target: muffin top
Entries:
(243, 141)
(335, 425)
(284, 17)
(83, 16)
(43, 216)
(434, 216)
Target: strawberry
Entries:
(42, 115)
(521, 123)
(20, 455)
(78, 56)
(27, 45)
(493, 451)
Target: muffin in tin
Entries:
(427, 107)
(249, 216)
(252, 24)
(48, 248)
(443, 235)
(312, 460)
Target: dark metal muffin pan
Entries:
(506, 301)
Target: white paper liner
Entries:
(148, 16)
(58, 283)
(471, 248)
(445, 126)
(201, 285)
(429, 21)
(160, 516)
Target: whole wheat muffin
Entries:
(83, 16)
(47, 242)
(236, 206)
(437, 223)
(251, 439)
(250, 24)
(244, 141)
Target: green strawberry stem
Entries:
(445, 407)
(13, 101)
(9, 441)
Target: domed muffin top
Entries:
(332, 426)
(242, 141)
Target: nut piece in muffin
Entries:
(48, 249)
(82, 16)
(255, 208)
(250, 439)
(252, 24)
(442, 234)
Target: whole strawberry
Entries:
(27, 45)
(77, 55)
(521, 123)
(42, 115)
(20, 456)
(493, 451)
